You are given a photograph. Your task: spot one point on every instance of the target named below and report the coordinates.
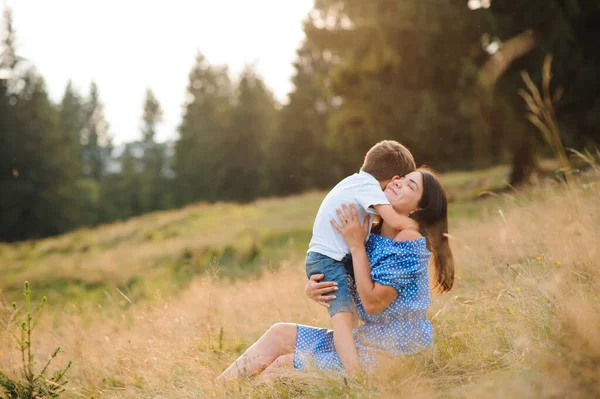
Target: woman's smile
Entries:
(391, 190)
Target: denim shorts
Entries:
(334, 270)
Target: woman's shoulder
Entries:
(407, 235)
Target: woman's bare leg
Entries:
(279, 340)
(281, 361)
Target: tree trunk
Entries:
(486, 130)
(523, 161)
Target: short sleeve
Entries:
(369, 195)
(398, 270)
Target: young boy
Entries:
(328, 253)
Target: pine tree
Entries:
(71, 124)
(96, 140)
(8, 63)
(129, 184)
(36, 188)
(252, 123)
(200, 156)
(298, 157)
(153, 182)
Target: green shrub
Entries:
(30, 385)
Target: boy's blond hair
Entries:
(387, 159)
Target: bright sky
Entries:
(129, 45)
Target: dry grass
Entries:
(522, 320)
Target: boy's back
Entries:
(364, 191)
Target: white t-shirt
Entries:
(361, 189)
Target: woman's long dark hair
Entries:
(433, 224)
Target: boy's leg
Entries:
(344, 341)
(341, 309)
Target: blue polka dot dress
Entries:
(402, 328)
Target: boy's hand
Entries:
(315, 290)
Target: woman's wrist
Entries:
(357, 249)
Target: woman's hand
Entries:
(316, 290)
(350, 227)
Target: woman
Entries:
(392, 287)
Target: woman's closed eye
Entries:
(413, 184)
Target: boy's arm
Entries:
(395, 220)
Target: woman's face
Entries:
(405, 193)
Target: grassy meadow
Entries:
(157, 306)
